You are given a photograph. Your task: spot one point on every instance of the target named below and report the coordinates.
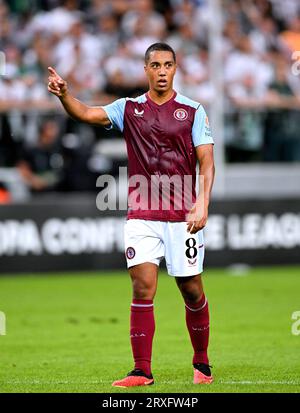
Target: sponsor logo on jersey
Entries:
(138, 113)
(180, 114)
(130, 253)
(192, 262)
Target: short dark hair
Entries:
(159, 47)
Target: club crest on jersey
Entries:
(138, 113)
(130, 253)
(180, 114)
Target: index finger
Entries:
(52, 71)
(190, 226)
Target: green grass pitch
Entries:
(69, 333)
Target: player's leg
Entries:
(184, 259)
(143, 252)
(191, 288)
(142, 323)
(144, 280)
(197, 321)
(197, 315)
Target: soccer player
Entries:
(166, 134)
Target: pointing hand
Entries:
(56, 84)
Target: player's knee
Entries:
(143, 290)
(191, 292)
(192, 296)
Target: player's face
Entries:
(160, 70)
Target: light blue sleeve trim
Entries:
(201, 133)
(115, 112)
(186, 101)
(139, 99)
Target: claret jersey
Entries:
(161, 141)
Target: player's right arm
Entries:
(76, 109)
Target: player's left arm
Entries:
(198, 215)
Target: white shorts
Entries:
(150, 241)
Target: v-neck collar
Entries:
(162, 104)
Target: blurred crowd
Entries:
(98, 47)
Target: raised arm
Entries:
(76, 109)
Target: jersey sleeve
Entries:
(115, 112)
(201, 133)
